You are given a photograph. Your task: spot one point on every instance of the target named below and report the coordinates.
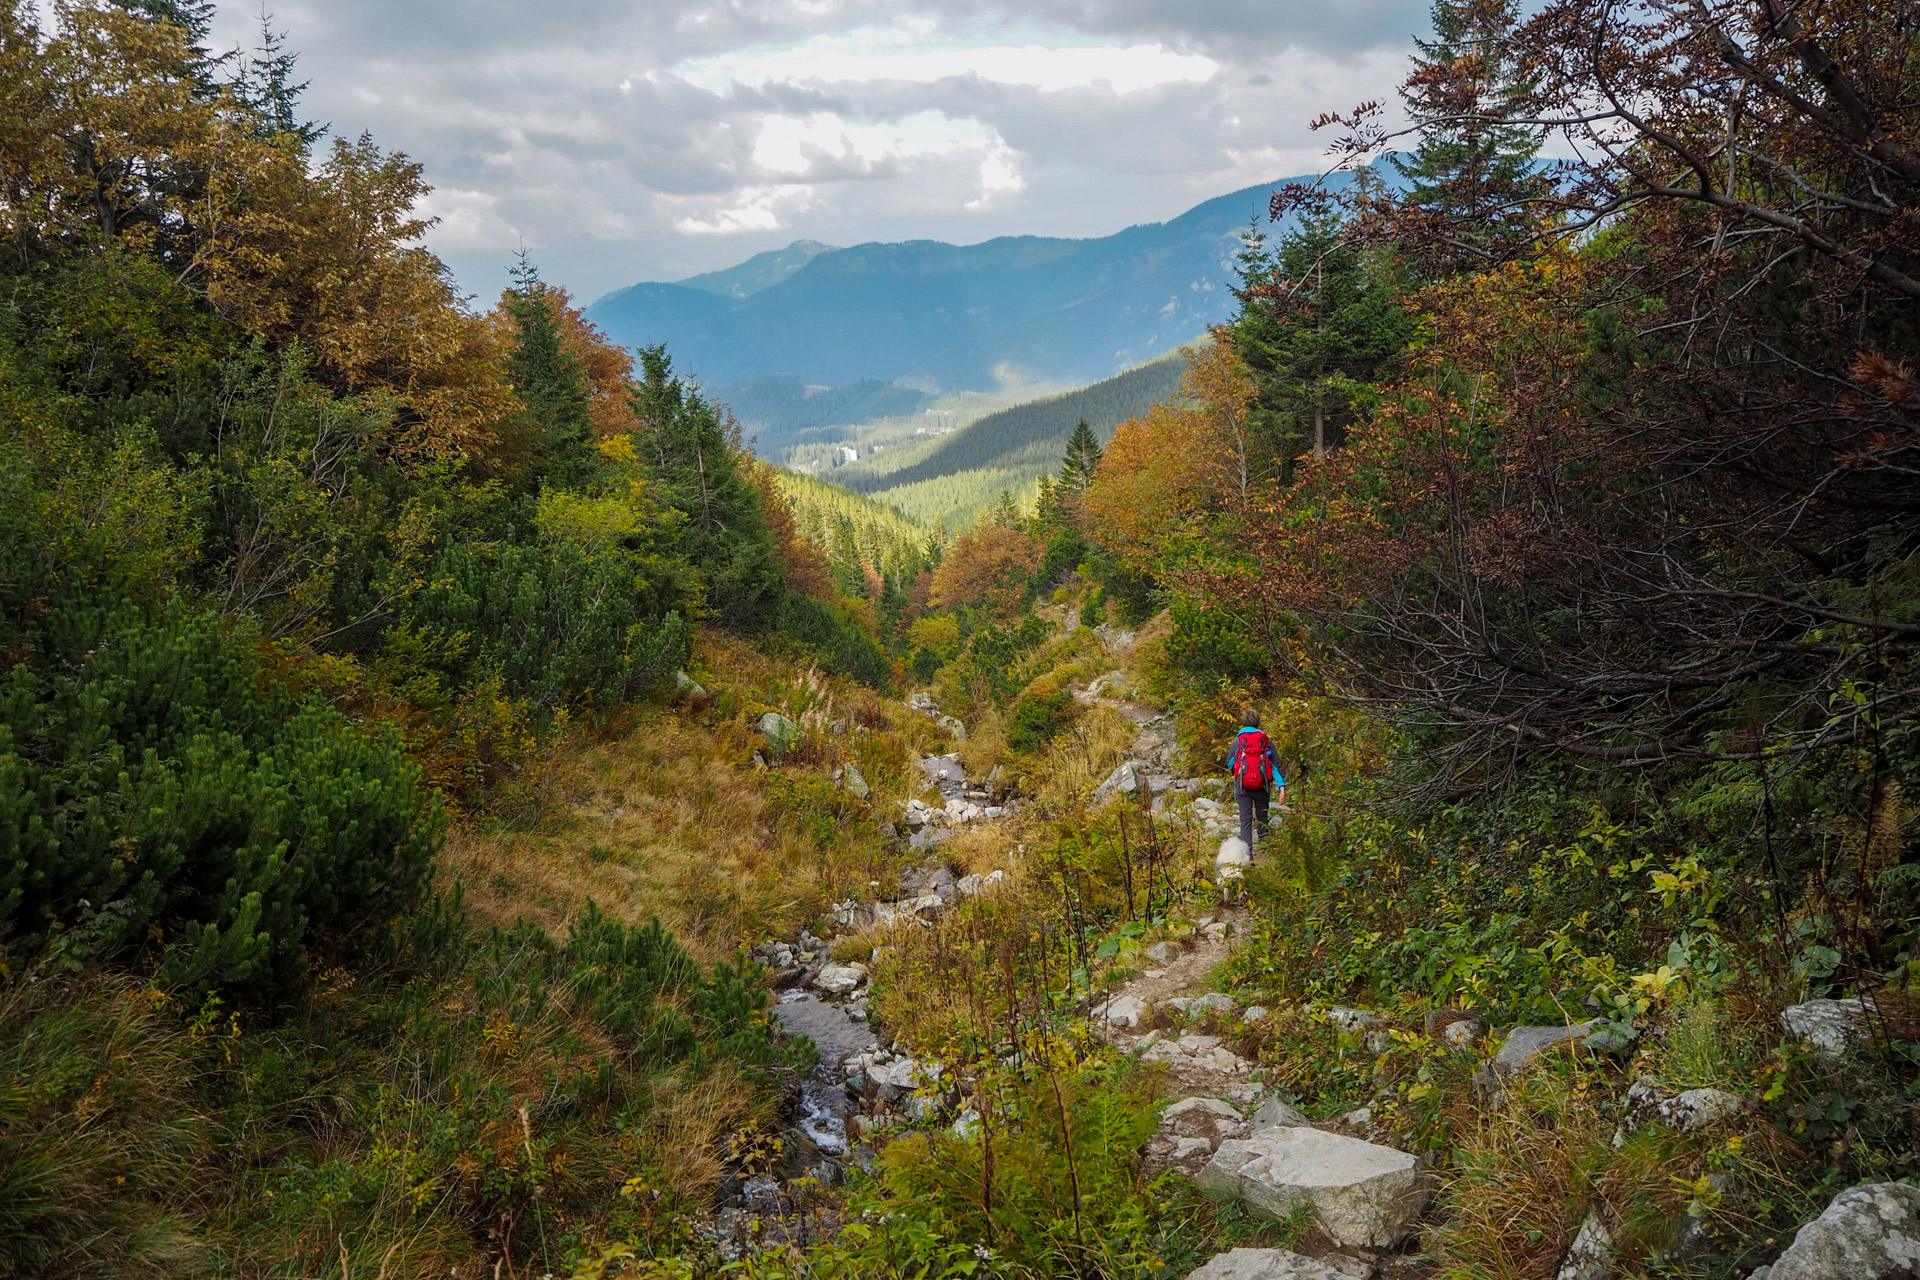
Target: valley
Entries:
(1371, 743)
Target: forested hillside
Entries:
(463, 815)
(952, 479)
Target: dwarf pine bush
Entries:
(154, 795)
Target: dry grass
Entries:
(675, 820)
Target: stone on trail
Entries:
(838, 979)
(1867, 1233)
(1125, 1011)
(1164, 952)
(943, 769)
(1200, 1006)
(1274, 1113)
(1202, 1053)
(1265, 1264)
(953, 726)
(1363, 1196)
(1188, 1133)
(1123, 780)
(1827, 1026)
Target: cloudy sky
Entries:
(626, 140)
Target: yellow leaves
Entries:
(938, 634)
(1680, 881)
(616, 449)
(1660, 985)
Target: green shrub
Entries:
(152, 792)
(1037, 717)
(828, 632)
(1208, 644)
(561, 620)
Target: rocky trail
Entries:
(1226, 1129)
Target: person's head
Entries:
(1249, 717)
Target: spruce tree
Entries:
(266, 86)
(1473, 172)
(695, 466)
(1081, 461)
(550, 383)
(1315, 332)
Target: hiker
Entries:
(1256, 776)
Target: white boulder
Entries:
(1699, 1109)
(838, 979)
(1274, 1112)
(1265, 1264)
(1197, 1053)
(1869, 1231)
(1826, 1026)
(1590, 1257)
(1124, 1011)
(1362, 1195)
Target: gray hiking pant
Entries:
(1253, 804)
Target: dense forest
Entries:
(430, 738)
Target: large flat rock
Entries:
(1362, 1195)
(1265, 1264)
(1866, 1233)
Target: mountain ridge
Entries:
(1013, 309)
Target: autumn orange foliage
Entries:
(989, 567)
(805, 567)
(1168, 477)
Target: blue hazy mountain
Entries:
(761, 271)
(950, 317)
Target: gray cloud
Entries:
(633, 139)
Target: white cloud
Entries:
(871, 55)
(639, 139)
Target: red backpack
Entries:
(1251, 768)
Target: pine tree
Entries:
(1474, 173)
(550, 383)
(1081, 461)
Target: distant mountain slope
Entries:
(950, 481)
(1029, 438)
(758, 272)
(782, 407)
(643, 314)
(952, 317)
